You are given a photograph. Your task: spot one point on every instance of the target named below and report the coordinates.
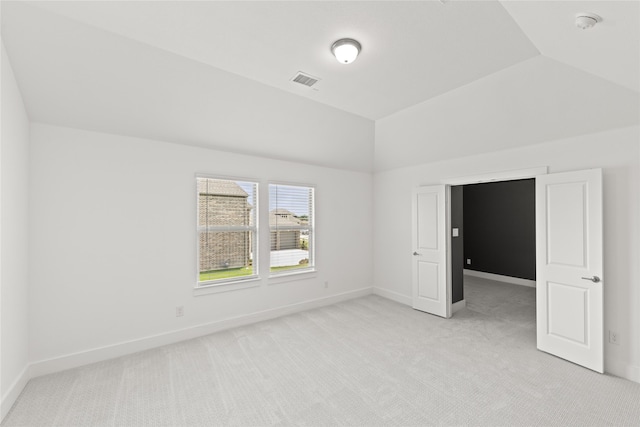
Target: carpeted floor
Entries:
(365, 362)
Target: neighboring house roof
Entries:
(283, 218)
(281, 211)
(220, 187)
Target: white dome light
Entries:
(346, 50)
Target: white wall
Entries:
(14, 158)
(616, 151)
(113, 242)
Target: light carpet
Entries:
(364, 362)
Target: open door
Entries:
(431, 243)
(569, 266)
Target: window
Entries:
(291, 227)
(227, 232)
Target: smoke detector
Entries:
(586, 20)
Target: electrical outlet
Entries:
(326, 284)
(614, 337)
(468, 261)
(180, 311)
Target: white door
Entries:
(431, 266)
(569, 266)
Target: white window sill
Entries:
(216, 288)
(292, 276)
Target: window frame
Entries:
(312, 269)
(240, 282)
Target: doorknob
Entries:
(416, 254)
(594, 279)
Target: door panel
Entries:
(566, 226)
(569, 258)
(428, 280)
(427, 220)
(563, 298)
(431, 269)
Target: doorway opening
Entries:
(493, 250)
(569, 258)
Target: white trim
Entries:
(73, 360)
(290, 184)
(501, 278)
(230, 228)
(292, 276)
(457, 306)
(225, 177)
(621, 369)
(393, 296)
(226, 286)
(498, 176)
(14, 391)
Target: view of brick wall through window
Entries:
(223, 204)
(227, 231)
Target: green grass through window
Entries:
(289, 267)
(229, 273)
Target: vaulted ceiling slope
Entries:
(412, 51)
(73, 74)
(439, 79)
(535, 101)
(610, 50)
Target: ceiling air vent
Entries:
(305, 79)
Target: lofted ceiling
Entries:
(218, 73)
(611, 50)
(270, 41)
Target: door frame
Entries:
(510, 175)
(498, 176)
(526, 174)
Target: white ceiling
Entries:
(532, 102)
(404, 43)
(217, 74)
(73, 75)
(610, 50)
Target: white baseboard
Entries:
(393, 296)
(14, 391)
(99, 354)
(500, 278)
(457, 306)
(621, 369)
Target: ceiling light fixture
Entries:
(584, 21)
(346, 50)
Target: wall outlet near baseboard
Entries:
(614, 337)
(468, 261)
(180, 311)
